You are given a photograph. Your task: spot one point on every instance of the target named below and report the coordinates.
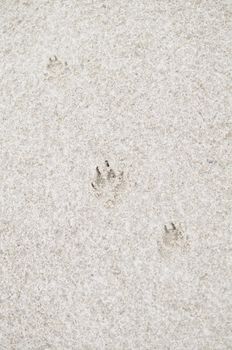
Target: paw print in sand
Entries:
(108, 185)
(173, 240)
(56, 68)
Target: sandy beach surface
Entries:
(115, 175)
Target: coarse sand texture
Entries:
(116, 175)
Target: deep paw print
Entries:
(173, 240)
(56, 68)
(108, 184)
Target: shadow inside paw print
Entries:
(172, 236)
(107, 184)
(173, 239)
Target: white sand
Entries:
(146, 85)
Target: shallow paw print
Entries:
(56, 68)
(173, 240)
(107, 184)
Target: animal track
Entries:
(173, 240)
(56, 68)
(108, 184)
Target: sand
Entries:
(115, 175)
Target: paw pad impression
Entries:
(107, 184)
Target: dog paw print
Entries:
(173, 240)
(108, 184)
(56, 68)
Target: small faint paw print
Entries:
(108, 184)
(173, 240)
(56, 68)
